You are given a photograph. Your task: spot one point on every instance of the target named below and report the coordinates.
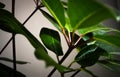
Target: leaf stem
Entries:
(66, 37)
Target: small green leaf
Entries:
(9, 60)
(51, 40)
(2, 5)
(113, 65)
(51, 19)
(56, 9)
(110, 43)
(89, 55)
(41, 55)
(89, 13)
(6, 71)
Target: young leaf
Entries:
(51, 19)
(113, 65)
(56, 9)
(89, 55)
(41, 55)
(86, 13)
(6, 71)
(9, 60)
(51, 40)
(110, 43)
(2, 5)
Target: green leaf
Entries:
(110, 43)
(86, 13)
(56, 9)
(2, 5)
(89, 55)
(51, 40)
(9, 23)
(41, 55)
(113, 65)
(51, 19)
(9, 60)
(95, 28)
(6, 71)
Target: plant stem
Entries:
(62, 60)
(66, 37)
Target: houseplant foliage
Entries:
(80, 22)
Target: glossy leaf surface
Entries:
(56, 9)
(96, 28)
(110, 43)
(89, 55)
(51, 40)
(6, 71)
(86, 13)
(113, 65)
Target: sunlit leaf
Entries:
(6, 71)
(110, 43)
(86, 13)
(89, 55)
(10, 60)
(51, 40)
(56, 9)
(113, 65)
(2, 5)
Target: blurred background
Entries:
(25, 52)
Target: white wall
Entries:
(25, 51)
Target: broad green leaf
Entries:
(2, 5)
(113, 65)
(41, 55)
(56, 9)
(89, 55)
(96, 28)
(86, 13)
(6, 71)
(9, 60)
(110, 43)
(51, 40)
(51, 19)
